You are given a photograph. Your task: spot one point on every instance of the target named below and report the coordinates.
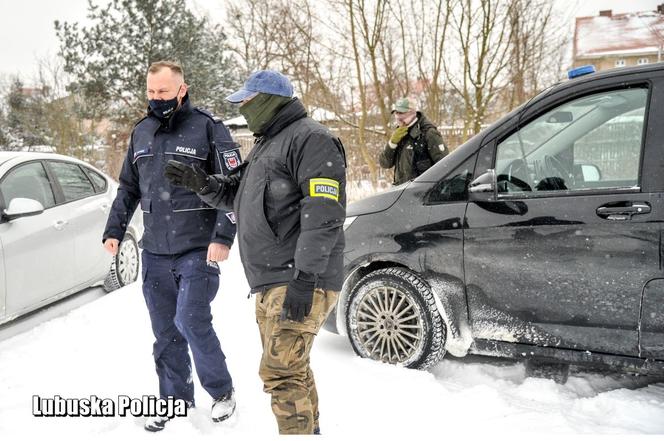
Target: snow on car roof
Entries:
(6, 156)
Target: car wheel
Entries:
(392, 317)
(124, 269)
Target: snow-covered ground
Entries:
(104, 349)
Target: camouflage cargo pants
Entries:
(284, 368)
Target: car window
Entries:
(75, 184)
(28, 181)
(98, 180)
(454, 187)
(589, 143)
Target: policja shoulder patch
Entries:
(324, 188)
(231, 159)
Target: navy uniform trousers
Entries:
(178, 290)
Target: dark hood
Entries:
(377, 202)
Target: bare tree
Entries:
(465, 60)
(361, 87)
(278, 35)
(483, 34)
(537, 44)
(371, 21)
(427, 39)
(251, 24)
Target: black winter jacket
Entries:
(289, 199)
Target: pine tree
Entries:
(109, 59)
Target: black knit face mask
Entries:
(164, 108)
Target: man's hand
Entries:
(217, 252)
(398, 134)
(112, 245)
(298, 301)
(192, 178)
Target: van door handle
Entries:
(623, 212)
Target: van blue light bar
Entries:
(580, 71)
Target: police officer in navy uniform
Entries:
(184, 238)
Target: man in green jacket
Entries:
(414, 146)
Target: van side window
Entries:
(454, 187)
(589, 143)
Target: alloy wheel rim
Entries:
(389, 325)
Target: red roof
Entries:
(633, 33)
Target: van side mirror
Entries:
(587, 172)
(483, 188)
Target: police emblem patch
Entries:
(231, 159)
(324, 188)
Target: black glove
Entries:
(229, 183)
(299, 297)
(192, 177)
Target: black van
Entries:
(540, 238)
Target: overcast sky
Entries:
(26, 26)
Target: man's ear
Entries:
(183, 91)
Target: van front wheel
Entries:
(392, 317)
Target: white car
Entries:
(53, 210)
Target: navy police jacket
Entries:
(176, 220)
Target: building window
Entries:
(641, 61)
(620, 63)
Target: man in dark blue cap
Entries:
(290, 204)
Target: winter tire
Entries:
(392, 317)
